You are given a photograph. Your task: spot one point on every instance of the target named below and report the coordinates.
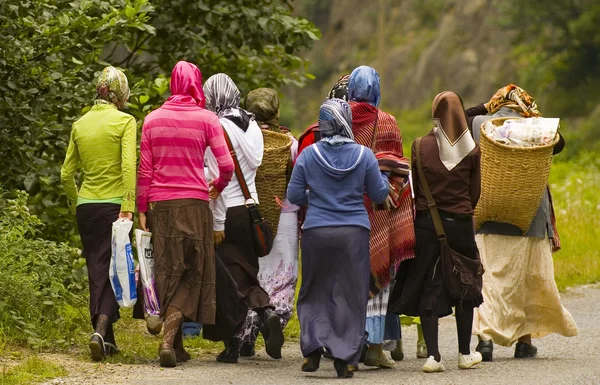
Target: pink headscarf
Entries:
(186, 84)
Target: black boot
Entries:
(247, 349)
(486, 348)
(312, 361)
(342, 369)
(272, 332)
(523, 350)
(231, 353)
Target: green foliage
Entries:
(41, 282)
(557, 47)
(53, 49)
(48, 59)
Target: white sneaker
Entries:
(468, 361)
(432, 366)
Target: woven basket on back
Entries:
(271, 176)
(513, 180)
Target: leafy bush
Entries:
(42, 283)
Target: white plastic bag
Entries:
(151, 304)
(122, 268)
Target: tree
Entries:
(557, 46)
(53, 48)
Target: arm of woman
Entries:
(414, 173)
(218, 146)
(560, 145)
(67, 173)
(145, 171)
(475, 188)
(375, 181)
(296, 191)
(128, 163)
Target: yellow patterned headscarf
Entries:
(112, 87)
(515, 98)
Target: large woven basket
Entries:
(271, 176)
(513, 180)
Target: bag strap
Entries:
(435, 214)
(238, 170)
(374, 140)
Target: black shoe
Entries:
(96, 345)
(312, 361)
(342, 369)
(523, 350)
(272, 333)
(231, 353)
(247, 350)
(328, 355)
(363, 354)
(486, 348)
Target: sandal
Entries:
(111, 349)
(96, 345)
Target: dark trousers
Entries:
(95, 228)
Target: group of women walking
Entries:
(368, 218)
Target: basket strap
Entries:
(435, 214)
(238, 170)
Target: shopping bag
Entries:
(145, 256)
(122, 268)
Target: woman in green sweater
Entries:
(103, 144)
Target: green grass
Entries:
(32, 370)
(575, 187)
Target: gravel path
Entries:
(560, 361)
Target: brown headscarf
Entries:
(451, 129)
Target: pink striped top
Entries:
(174, 139)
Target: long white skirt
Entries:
(519, 291)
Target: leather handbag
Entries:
(462, 276)
(262, 233)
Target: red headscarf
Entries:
(186, 84)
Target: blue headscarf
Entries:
(335, 122)
(364, 86)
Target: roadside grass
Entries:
(575, 187)
(34, 369)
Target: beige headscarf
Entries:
(451, 130)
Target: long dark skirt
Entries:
(419, 289)
(332, 306)
(238, 288)
(184, 260)
(95, 228)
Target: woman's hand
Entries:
(142, 221)
(213, 193)
(218, 237)
(126, 214)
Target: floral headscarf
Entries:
(264, 104)
(515, 98)
(364, 86)
(335, 121)
(340, 89)
(112, 87)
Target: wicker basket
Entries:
(513, 180)
(271, 176)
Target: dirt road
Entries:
(560, 361)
